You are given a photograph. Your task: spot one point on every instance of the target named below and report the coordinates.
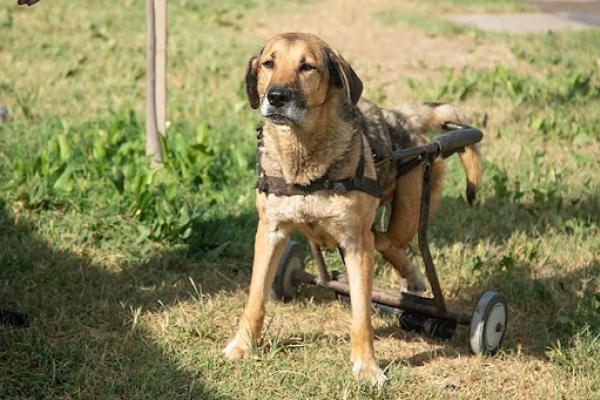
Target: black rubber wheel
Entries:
(488, 324)
(284, 286)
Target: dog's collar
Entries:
(279, 187)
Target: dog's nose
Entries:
(279, 96)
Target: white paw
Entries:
(414, 282)
(368, 371)
(236, 350)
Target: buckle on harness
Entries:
(339, 188)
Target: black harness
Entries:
(279, 187)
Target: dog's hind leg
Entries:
(408, 271)
(268, 249)
(411, 278)
(404, 222)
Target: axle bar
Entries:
(387, 297)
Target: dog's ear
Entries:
(252, 81)
(343, 76)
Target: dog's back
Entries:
(388, 130)
(385, 132)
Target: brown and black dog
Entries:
(316, 126)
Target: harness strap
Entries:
(360, 167)
(279, 187)
(259, 137)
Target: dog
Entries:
(317, 176)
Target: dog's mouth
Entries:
(279, 119)
(288, 114)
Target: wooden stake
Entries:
(152, 139)
(161, 64)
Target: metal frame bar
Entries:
(457, 137)
(387, 297)
(438, 296)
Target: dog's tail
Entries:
(427, 117)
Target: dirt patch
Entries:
(385, 55)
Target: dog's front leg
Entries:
(268, 249)
(359, 257)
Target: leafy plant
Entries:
(102, 164)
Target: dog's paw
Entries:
(414, 282)
(236, 350)
(368, 371)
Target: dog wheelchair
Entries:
(428, 315)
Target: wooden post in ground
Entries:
(152, 139)
(161, 64)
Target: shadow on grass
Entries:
(82, 340)
(497, 220)
(542, 311)
(82, 337)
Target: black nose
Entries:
(279, 96)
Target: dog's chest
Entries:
(325, 217)
(314, 208)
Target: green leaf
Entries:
(184, 217)
(41, 165)
(143, 234)
(64, 182)
(118, 180)
(64, 148)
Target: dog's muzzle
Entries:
(281, 106)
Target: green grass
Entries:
(135, 277)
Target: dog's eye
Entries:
(268, 64)
(307, 67)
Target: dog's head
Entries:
(296, 73)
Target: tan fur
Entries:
(425, 118)
(471, 161)
(327, 140)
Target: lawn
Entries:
(134, 277)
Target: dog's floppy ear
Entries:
(343, 76)
(251, 81)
